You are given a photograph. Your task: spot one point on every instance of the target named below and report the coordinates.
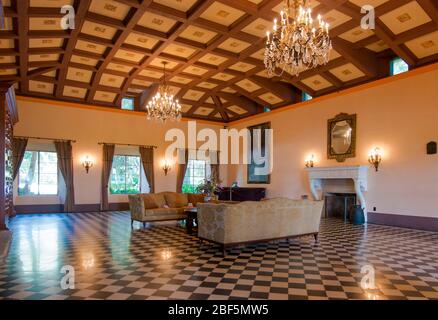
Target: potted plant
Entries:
(209, 187)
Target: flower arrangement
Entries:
(208, 187)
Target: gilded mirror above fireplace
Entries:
(341, 137)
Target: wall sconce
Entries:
(166, 167)
(87, 163)
(375, 158)
(310, 162)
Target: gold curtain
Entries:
(107, 164)
(18, 150)
(65, 163)
(147, 159)
(182, 168)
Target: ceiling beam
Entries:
(133, 19)
(81, 10)
(234, 31)
(431, 8)
(364, 59)
(219, 107)
(282, 90)
(244, 56)
(251, 96)
(242, 101)
(22, 9)
(416, 32)
(41, 71)
(380, 30)
(2, 16)
(332, 79)
(194, 15)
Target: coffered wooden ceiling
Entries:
(214, 49)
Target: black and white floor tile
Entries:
(111, 261)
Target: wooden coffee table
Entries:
(192, 215)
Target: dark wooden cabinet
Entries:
(242, 194)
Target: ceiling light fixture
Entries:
(297, 42)
(163, 106)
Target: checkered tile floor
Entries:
(112, 261)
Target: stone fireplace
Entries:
(347, 180)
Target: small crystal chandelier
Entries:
(297, 43)
(163, 106)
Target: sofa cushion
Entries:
(149, 202)
(152, 201)
(159, 199)
(176, 200)
(195, 198)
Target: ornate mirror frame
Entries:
(351, 152)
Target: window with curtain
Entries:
(38, 174)
(197, 172)
(125, 175)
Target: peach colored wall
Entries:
(89, 127)
(400, 117)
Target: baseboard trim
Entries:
(59, 208)
(39, 208)
(403, 221)
(122, 206)
(87, 208)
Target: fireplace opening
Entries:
(339, 205)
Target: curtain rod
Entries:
(42, 138)
(128, 144)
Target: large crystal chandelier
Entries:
(297, 41)
(163, 106)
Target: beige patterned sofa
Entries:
(163, 206)
(231, 225)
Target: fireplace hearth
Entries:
(339, 205)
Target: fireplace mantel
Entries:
(359, 175)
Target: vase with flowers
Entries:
(208, 188)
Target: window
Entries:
(195, 175)
(125, 175)
(128, 104)
(38, 174)
(398, 66)
(306, 96)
